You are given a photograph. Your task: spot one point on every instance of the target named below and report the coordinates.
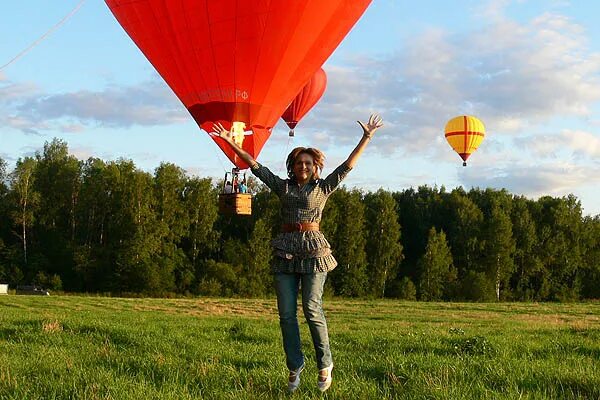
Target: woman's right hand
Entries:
(223, 133)
(220, 131)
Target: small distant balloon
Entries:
(464, 134)
(310, 95)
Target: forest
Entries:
(111, 228)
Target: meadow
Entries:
(68, 347)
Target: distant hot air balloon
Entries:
(310, 95)
(240, 63)
(464, 134)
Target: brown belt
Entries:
(300, 227)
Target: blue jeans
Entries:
(287, 287)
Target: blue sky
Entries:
(530, 69)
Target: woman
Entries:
(302, 254)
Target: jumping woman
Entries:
(302, 254)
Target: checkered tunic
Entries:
(302, 252)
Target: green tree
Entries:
(92, 254)
(218, 279)
(436, 270)
(560, 246)
(58, 181)
(384, 250)
(527, 266)
(4, 218)
(495, 237)
(200, 203)
(169, 186)
(407, 289)
(4, 272)
(3, 179)
(499, 247)
(172, 223)
(464, 230)
(591, 273)
(350, 277)
(266, 206)
(477, 286)
(133, 243)
(26, 200)
(417, 212)
(255, 277)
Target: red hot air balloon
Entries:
(239, 63)
(305, 100)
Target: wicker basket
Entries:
(235, 203)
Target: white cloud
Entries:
(574, 144)
(73, 128)
(82, 152)
(7, 158)
(493, 10)
(23, 124)
(14, 92)
(30, 110)
(148, 103)
(582, 143)
(559, 178)
(195, 171)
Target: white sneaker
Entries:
(324, 385)
(294, 379)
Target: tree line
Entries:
(109, 227)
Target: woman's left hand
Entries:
(375, 122)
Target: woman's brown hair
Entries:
(317, 156)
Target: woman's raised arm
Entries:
(375, 122)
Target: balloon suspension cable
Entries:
(45, 35)
(216, 153)
(287, 148)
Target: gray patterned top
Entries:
(302, 252)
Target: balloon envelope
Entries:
(237, 61)
(310, 95)
(464, 134)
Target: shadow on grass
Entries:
(30, 331)
(563, 387)
(561, 349)
(247, 365)
(242, 331)
(444, 347)
(25, 331)
(394, 383)
(8, 333)
(115, 337)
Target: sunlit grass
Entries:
(108, 348)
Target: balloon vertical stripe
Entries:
(464, 134)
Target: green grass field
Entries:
(110, 348)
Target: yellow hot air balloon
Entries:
(464, 134)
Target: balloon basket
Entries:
(235, 203)
(291, 133)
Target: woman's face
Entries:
(303, 168)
